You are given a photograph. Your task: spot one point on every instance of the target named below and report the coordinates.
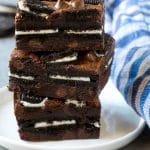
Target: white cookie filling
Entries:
(96, 124)
(34, 105)
(61, 123)
(69, 78)
(54, 123)
(52, 31)
(21, 77)
(109, 62)
(66, 59)
(98, 55)
(42, 103)
(84, 32)
(75, 102)
(32, 32)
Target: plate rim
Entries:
(133, 134)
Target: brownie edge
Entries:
(82, 132)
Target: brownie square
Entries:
(44, 118)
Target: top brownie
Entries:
(61, 14)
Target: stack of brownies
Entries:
(61, 64)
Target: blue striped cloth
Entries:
(128, 21)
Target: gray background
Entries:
(12, 2)
(6, 45)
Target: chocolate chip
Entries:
(99, 53)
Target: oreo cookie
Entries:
(37, 6)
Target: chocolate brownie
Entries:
(41, 72)
(57, 90)
(41, 25)
(62, 41)
(58, 119)
(86, 131)
(64, 15)
(29, 106)
(71, 64)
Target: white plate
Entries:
(120, 125)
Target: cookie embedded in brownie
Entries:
(57, 118)
(62, 75)
(63, 15)
(78, 25)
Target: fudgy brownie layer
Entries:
(90, 61)
(87, 18)
(80, 132)
(43, 125)
(32, 64)
(63, 41)
(80, 92)
(88, 66)
(55, 109)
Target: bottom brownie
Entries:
(45, 118)
(79, 132)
